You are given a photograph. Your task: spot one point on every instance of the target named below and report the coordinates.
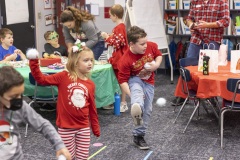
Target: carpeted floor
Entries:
(201, 141)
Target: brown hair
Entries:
(46, 34)
(4, 32)
(117, 10)
(73, 14)
(9, 78)
(135, 33)
(73, 58)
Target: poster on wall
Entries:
(19, 14)
(100, 2)
(48, 19)
(121, 2)
(47, 4)
(62, 6)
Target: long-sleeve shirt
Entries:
(76, 106)
(16, 118)
(132, 64)
(213, 11)
(118, 39)
(88, 33)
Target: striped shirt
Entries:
(210, 11)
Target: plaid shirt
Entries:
(212, 11)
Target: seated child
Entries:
(52, 46)
(15, 111)
(8, 52)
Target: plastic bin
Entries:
(236, 4)
(186, 4)
(171, 29)
(172, 4)
(187, 30)
(237, 30)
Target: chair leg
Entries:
(221, 126)
(212, 107)
(196, 108)
(183, 105)
(26, 130)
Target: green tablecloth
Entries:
(102, 75)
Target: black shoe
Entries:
(177, 101)
(140, 142)
(47, 108)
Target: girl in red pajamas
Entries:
(118, 39)
(76, 109)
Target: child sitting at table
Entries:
(76, 108)
(52, 46)
(8, 52)
(14, 111)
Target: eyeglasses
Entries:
(53, 35)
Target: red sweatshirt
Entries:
(76, 100)
(131, 64)
(118, 40)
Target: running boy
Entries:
(14, 111)
(8, 52)
(118, 39)
(136, 78)
(76, 108)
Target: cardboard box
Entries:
(171, 29)
(172, 4)
(236, 4)
(186, 4)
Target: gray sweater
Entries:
(89, 33)
(26, 114)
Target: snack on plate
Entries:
(50, 56)
(56, 66)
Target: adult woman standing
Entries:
(78, 24)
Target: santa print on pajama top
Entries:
(118, 39)
(76, 106)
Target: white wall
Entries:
(41, 28)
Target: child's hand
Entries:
(150, 66)
(104, 35)
(64, 152)
(20, 53)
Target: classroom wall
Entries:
(41, 28)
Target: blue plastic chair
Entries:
(233, 85)
(40, 99)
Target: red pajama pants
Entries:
(77, 141)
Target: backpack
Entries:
(172, 48)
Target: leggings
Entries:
(77, 142)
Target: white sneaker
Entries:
(136, 113)
(123, 107)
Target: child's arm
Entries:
(11, 57)
(20, 53)
(93, 113)
(44, 127)
(125, 88)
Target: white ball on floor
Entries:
(32, 53)
(161, 102)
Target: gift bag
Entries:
(235, 60)
(222, 54)
(213, 61)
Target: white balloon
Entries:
(161, 102)
(32, 53)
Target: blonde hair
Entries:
(73, 58)
(73, 14)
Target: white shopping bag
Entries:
(222, 54)
(235, 60)
(213, 61)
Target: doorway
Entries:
(23, 33)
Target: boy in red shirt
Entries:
(118, 39)
(136, 78)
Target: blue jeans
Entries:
(98, 49)
(141, 93)
(193, 49)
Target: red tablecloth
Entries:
(207, 86)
